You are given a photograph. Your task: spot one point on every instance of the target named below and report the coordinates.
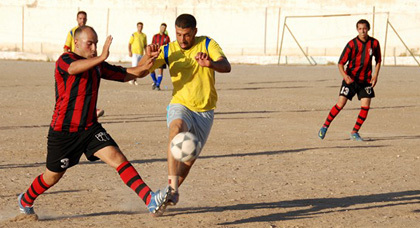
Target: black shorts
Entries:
(163, 66)
(65, 148)
(362, 90)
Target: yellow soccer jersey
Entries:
(194, 86)
(70, 39)
(138, 41)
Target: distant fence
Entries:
(241, 31)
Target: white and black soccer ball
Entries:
(185, 146)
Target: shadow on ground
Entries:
(308, 208)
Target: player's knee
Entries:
(342, 102)
(51, 177)
(116, 156)
(177, 126)
(112, 156)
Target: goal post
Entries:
(287, 27)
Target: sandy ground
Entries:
(263, 165)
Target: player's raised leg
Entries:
(177, 171)
(115, 158)
(181, 119)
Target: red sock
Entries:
(361, 118)
(333, 113)
(133, 180)
(37, 187)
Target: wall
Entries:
(241, 27)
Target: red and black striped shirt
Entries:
(76, 95)
(160, 39)
(359, 55)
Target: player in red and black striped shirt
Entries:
(74, 128)
(357, 77)
(161, 39)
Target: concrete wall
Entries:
(242, 27)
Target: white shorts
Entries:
(198, 123)
(135, 59)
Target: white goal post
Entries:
(311, 60)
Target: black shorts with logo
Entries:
(66, 148)
(363, 90)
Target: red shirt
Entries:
(160, 39)
(358, 55)
(76, 95)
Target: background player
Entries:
(357, 78)
(81, 19)
(74, 129)
(192, 64)
(161, 39)
(136, 46)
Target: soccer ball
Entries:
(185, 146)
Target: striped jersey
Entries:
(76, 95)
(160, 39)
(358, 55)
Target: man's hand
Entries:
(130, 54)
(374, 80)
(203, 59)
(105, 50)
(146, 65)
(348, 79)
(152, 51)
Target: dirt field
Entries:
(263, 165)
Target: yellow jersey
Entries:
(194, 85)
(70, 39)
(138, 41)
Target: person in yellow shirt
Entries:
(136, 46)
(81, 21)
(69, 45)
(192, 61)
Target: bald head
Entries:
(85, 40)
(83, 29)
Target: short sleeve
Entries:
(345, 55)
(378, 57)
(64, 62)
(68, 40)
(215, 51)
(131, 38)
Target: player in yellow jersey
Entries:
(69, 45)
(192, 63)
(136, 46)
(81, 21)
